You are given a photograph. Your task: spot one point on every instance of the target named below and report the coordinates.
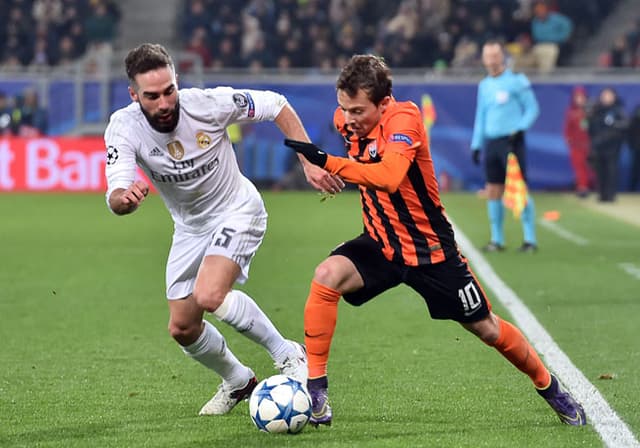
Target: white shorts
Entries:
(235, 235)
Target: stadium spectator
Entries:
(47, 12)
(66, 53)
(40, 60)
(227, 54)
(252, 34)
(576, 135)
(11, 63)
(100, 30)
(620, 54)
(5, 114)
(550, 32)
(197, 17)
(198, 46)
(219, 216)
(262, 54)
(524, 60)
(607, 129)
(465, 54)
(407, 238)
(498, 26)
(634, 147)
(29, 119)
(100, 26)
(506, 108)
(18, 35)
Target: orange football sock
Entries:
(320, 317)
(515, 347)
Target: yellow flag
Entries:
(428, 111)
(515, 189)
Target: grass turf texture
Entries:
(86, 359)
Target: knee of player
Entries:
(184, 332)
(489, 336)
(209, 299)
(486, 329)
(489, 332)
(328, 274)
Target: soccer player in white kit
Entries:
(179, 139)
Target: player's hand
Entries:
(475, 156)
(310, 151)
(136, 193)
(321, 180)
(127, 201)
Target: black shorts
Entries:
(449, 289)
(495, 161)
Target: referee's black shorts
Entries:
(495, 160)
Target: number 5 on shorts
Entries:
(225, 238)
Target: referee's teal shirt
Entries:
(506, 104)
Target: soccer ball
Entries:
(280, 404)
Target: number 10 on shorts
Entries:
(470, 298)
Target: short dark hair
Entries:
(146, 57)
(497, 42)
(369, 73)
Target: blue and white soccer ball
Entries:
(280, 404)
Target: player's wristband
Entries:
(310, 151)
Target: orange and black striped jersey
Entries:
(394, 171)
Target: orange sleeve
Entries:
(385, 175)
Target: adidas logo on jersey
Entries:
(155, 152)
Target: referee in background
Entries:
(506, 108)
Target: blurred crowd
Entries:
(625, 49)
(281, 34)
(22, 115)
(40, 34)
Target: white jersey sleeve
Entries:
(121, 147)
(227, 105)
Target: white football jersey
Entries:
(194, 167)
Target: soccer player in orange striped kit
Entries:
(407, 237)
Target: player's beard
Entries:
(163, 126)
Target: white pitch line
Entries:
(613, 431)
(631, 269)
(563, 233)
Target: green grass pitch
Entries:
(86, 360)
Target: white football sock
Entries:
(211, 351)
(242, 313)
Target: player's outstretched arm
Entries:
(292, 128)
(123, 201)
(386, 175)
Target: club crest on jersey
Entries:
(373, 150)
(176, 149)
(401, 138)
(203, 140)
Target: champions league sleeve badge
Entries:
(244, 100)
(240, 100)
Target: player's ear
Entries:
(384, 103)
(133, 94)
